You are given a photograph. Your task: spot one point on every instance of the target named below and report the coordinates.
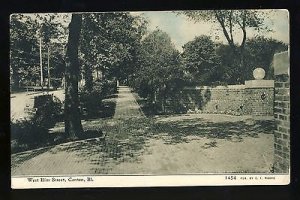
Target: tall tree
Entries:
(50, 27)
(160, 69)
(229, 67)
(26, 32)
(259, 52)
(200, 60)
(73, 126)
(231, 23)
(23, 50)
(109, 42)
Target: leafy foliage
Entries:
(92, 100)
(26, 30)
(49, 110)
(259, 52)
(200, 60)
(233, 22)
(109, 43)
(23, 46)
(160, 73)
(33, 132)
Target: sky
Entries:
(181, 30)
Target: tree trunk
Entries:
(88, 76)
(242, 65)
(15, 81)
(73, 127)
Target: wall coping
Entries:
(259, 84)
(248, 84)
(217, 87)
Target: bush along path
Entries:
(134, 144)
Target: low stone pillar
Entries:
(259, 97)
(282, 113)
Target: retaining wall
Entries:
(248, 99)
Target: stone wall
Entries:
(254, 98)
(259, 101)
(220, 99)
(282, 113)
(259, 97)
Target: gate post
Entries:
(259, 95)
(282, 113)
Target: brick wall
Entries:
(232, 99)
(282, 113)
(259, 101)
(220, 99)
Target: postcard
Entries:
(150, 98)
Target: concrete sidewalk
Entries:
(127, 105)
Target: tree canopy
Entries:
(109, 42)
(259, 52)
(26, 31)
(160, 70)
(23, 50)
(200, 60)
(233, 23)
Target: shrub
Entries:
(90, 99)
(176, 107)
(29, 133)
(90, 102)
(56, 83)
(49, 110)
(144, 89)
(33, 132)
(150, 108)
(109, 87)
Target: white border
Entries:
(148, 181)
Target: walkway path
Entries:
(127, 105)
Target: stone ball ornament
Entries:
(259, 73)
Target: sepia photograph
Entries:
(184, 97)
